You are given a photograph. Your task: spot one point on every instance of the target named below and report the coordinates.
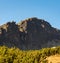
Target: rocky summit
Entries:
(32, 33)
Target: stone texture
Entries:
(31, 33)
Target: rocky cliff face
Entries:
(31, 33)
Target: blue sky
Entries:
(18, 10)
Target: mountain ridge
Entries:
(32, 33)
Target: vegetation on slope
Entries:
(15, 55)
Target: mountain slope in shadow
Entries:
(32, 33)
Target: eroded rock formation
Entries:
(31, 33)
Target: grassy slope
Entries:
(15, 55)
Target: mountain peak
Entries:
(31, 33)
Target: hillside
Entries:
(32, 33)
(54, 59)
(15, 55)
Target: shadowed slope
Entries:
(31, 33)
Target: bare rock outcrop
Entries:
(31, 33)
